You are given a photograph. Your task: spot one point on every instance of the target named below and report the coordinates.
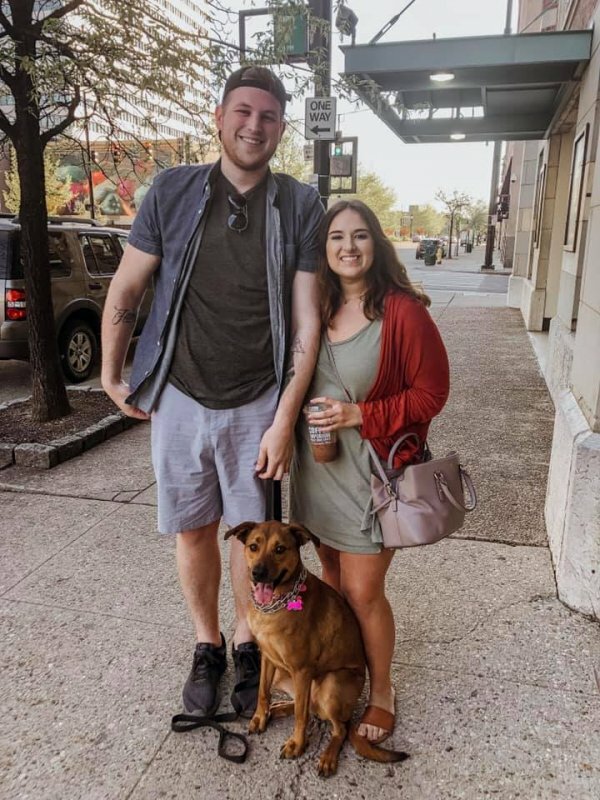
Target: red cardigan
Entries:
(412, 381)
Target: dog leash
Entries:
(181, 723)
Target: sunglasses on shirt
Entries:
(238, 219)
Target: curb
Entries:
(45, 456)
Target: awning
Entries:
(504, 87)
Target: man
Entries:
(232, 250)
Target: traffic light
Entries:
(338, 149)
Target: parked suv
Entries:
(83, 259)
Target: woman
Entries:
(390, 357)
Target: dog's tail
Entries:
(371, 751)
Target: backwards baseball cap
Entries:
(257, 78)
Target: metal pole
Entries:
(89, 159)
(321, 64)
(492, 209)
(491, 229)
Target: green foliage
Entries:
(453, 203)
(427, 220)
(118, 56)
(289, 156)
(379, 197)
(476, 217)
(58, 187)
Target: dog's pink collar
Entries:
(292, 601)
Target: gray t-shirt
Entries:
(224, 352)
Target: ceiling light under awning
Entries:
(442, 77)
(458, 137)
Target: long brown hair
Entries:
(387, 271)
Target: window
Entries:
(60, 260)
(576, 190)
(122, 240)
(100, 253)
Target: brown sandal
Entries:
(379, 718)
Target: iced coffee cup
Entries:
(323, 444)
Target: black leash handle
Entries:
(181, 723)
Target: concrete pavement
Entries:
(498, 683)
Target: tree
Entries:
(289, 156)
(70, 60)
(453, 204)
(476, 217)
(379, 197)
(426, 220)
(58, 189)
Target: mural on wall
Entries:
(117, 181)
(119, 177)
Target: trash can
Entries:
(469, 247)
(429, 254)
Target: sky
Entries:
(414, 171)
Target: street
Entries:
(460, 274)
(452, 278)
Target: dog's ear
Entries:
(302, 535)
(241, 531)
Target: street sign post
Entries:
(319, 118)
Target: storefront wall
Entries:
(573, 371)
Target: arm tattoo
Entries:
(124, 315)
(298, 346)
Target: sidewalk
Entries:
(497, 694)
(463, 262)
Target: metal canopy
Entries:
(504, 87)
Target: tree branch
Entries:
(50, 133)
(61, 12)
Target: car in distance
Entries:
(83, 258)
(430, 242)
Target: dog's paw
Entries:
(328, 765)
(258, 723)
(292, 748)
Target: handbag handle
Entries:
(335, 369)
(465, 478)
(398, 442)
(401, 440)
(382, 473)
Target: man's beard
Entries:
(247, 166)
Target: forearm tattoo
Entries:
(124, 315)
(298, 346)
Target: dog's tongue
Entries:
(263, 593)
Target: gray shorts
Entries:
(204, 460)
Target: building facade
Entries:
(552, 243)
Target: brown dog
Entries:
(310, 643)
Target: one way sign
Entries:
(319, 118)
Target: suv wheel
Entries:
(78, 347)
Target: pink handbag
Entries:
(421, 503)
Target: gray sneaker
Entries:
(201, 690)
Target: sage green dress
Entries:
(333, 500)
